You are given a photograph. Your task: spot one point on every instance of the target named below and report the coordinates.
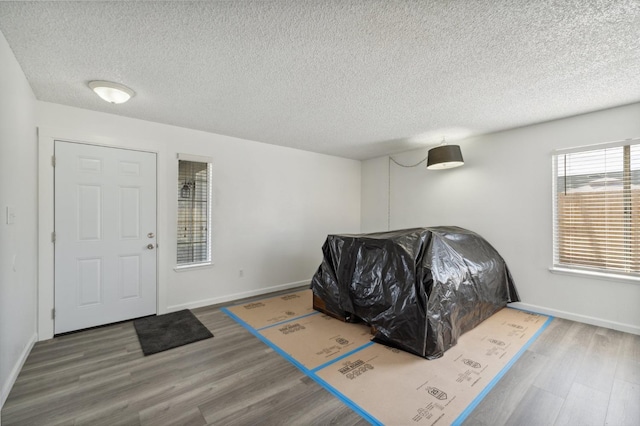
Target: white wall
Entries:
(18, 241)
(272, 206)
(503, 192)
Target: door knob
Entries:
(150, 246)
(150, 235)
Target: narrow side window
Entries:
(194, 213)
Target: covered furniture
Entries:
(419, 289)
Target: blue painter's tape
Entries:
(288, 320)
(528, 311)
(368, 417)
(358, 349)
(267, 341)
(461, 418)
(237, 318)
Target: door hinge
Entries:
(53, 237)
(53, 313)
(53, 160)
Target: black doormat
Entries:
(161, 332)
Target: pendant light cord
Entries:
(389, 194)
(407, 166)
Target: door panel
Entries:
(129, 276)
(89, 281)
(105, 208)
(89, 212)
(129, 213)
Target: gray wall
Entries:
(503, 192)
(18, 241)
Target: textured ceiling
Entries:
(353, 78)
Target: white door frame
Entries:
(46, 219)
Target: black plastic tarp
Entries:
(419, 288)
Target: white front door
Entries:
(105, 244)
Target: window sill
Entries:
(594, 274)
(185, 268)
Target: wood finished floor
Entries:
(573, 374)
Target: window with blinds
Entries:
(194, 213)
(597, 209)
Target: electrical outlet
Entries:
(241, 273)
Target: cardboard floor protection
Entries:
(315, 340)
(386, 385)
(274, 310)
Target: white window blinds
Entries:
(194, 213)
(597, 209)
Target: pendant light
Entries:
(444, 157)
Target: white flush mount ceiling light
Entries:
(111, 92)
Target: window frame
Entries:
(577, 270)
(179, 267)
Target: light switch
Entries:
(11, 215)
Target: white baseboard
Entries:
(13, 376)
(627, 328)
(236, 296)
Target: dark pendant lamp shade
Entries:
(444, 157)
